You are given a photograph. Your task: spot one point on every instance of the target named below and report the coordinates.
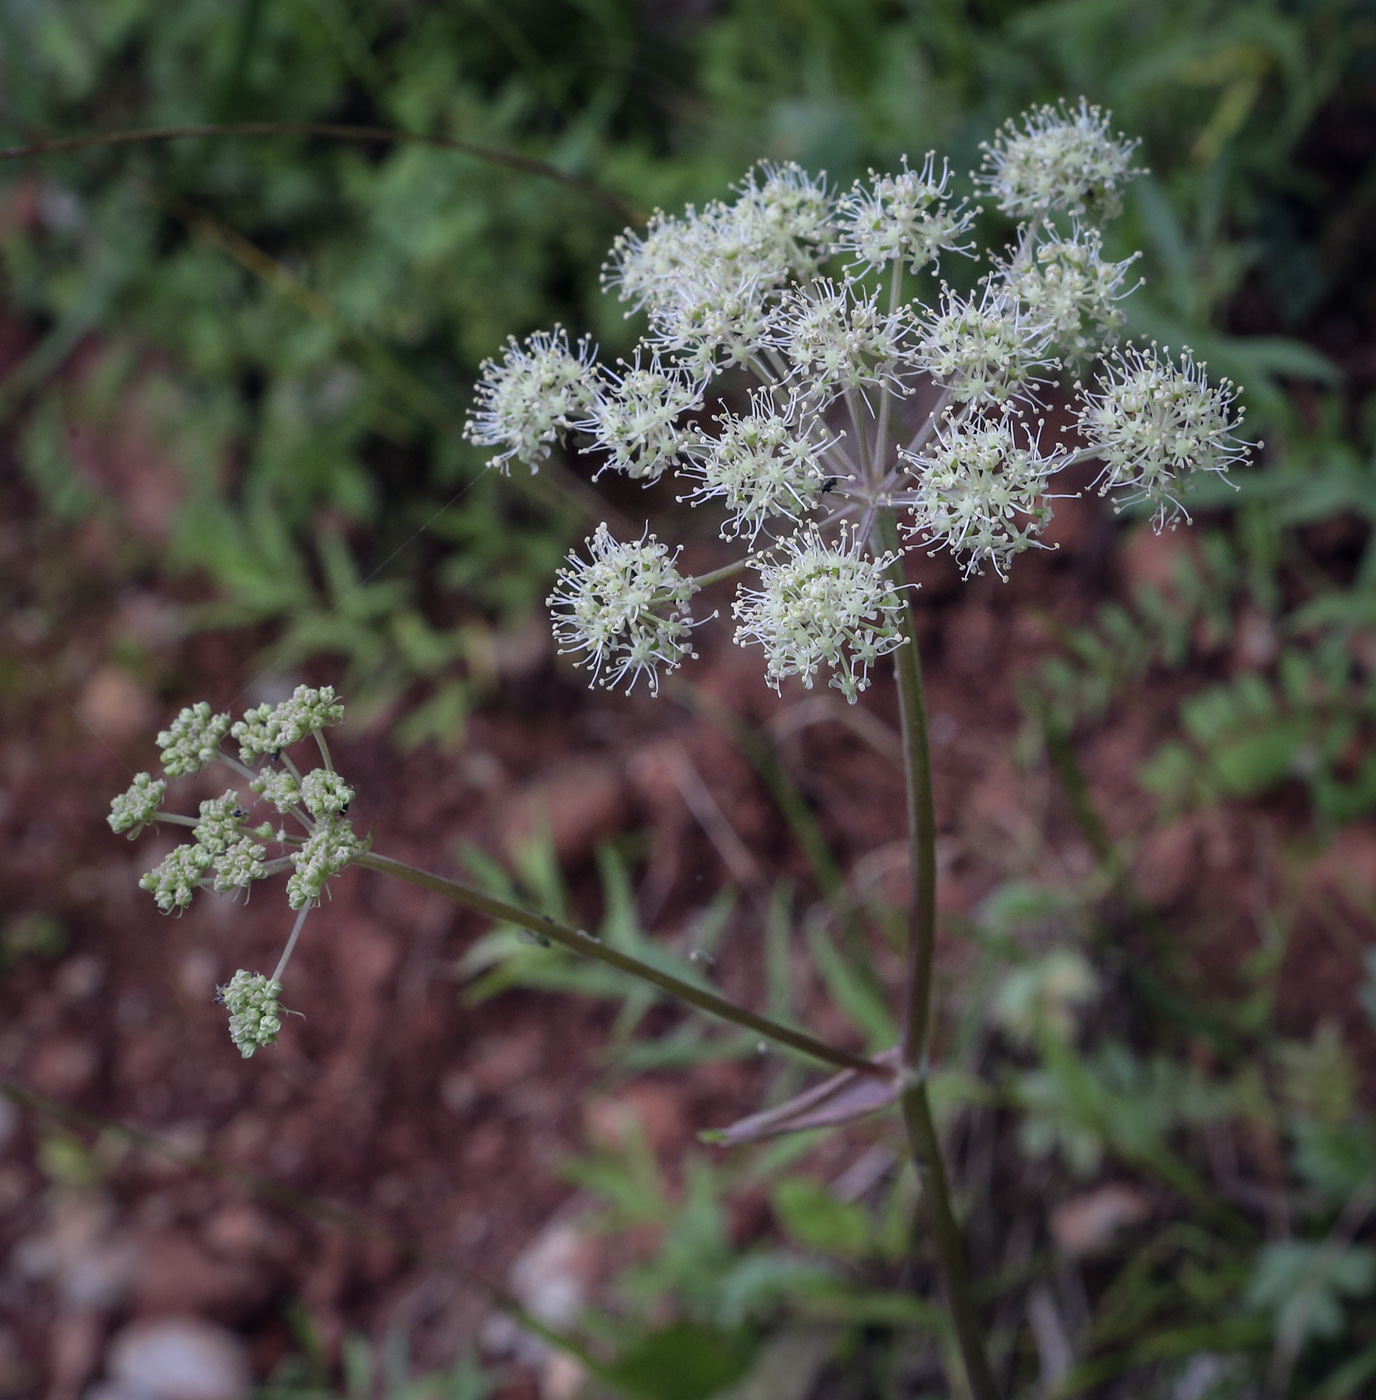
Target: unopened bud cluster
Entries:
(254, 1015)
(881, 397)
(228, 852)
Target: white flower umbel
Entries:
(978, 493)
(821, 604)
(762, 465)
(635, 418)
(709, 279)
(533, 396)
(790, 213)
(984, 352)
(192, 740)
(625, 609)
(328, 849)
(1066, 286)
(1154, 424)
(838, 340)
(131, 811)
(271, 728)
(906, 216)
(255, 1018)
(1060, 159)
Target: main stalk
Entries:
(915, 1101)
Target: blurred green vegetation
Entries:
(299, 321)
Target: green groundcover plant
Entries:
(805, 367)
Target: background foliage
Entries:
(299, 322)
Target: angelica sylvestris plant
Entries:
(805, 371)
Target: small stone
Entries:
(179, 1358)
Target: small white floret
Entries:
(1065, 285)
(635, 418)
(980, 494)
(532, 397)
(1154, 424)
(988, 351)
(821, 604)
(625, 610)
(906, 216)
(1061, 158)
(839, 341)
(764, 464)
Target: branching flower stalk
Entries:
(805, 372)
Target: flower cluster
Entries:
(1154, 423)
(1067, 288)
(804, 289)
(985, 352)
(708, 280)
(271, 728)
(626, 608)
(635, 419)
(838, 340)
(227, 852)
(255, 1018)
(822, 603)
(906, 216)
(760, 465)
(131, 811)
(978, 493)
(1060, 159)
(537, 392)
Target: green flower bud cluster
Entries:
(131, 811)
(255, 1018)
(271, 728)
(328, 849)
(229, 854)
(192, 740)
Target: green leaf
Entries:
(684, 1361)
(814, 1218)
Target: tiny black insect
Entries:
(219, 996)
(829, 484)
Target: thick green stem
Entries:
(587, 946)
(917, 1011)
(946, 1236)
